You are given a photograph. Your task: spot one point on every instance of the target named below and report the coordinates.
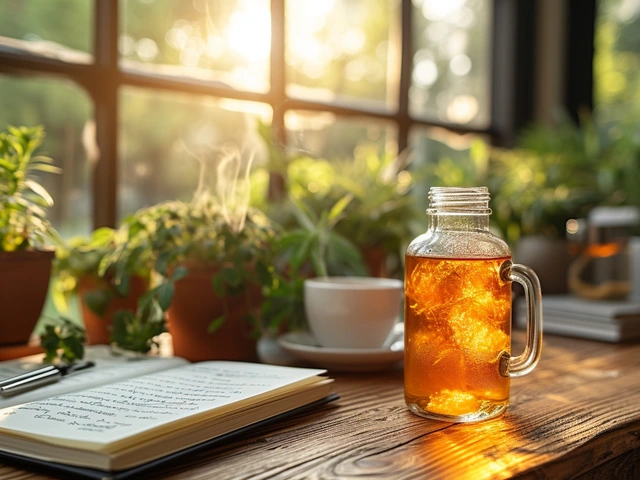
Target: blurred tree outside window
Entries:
(59, 28)
(451, 66)
(617, 60)
(341, 49)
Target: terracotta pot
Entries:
(195, 305)
(375, 259)
(549, 258)
(24, 282)
(99, 326)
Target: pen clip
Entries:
(24, 376)
(39, 378)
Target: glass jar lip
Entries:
(459, 201)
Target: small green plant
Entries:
(135, 331)
(314, 248)
(106, 257)
(63, 341)
(201, 233)
(381, 212)
(23, 200)
(78, 257)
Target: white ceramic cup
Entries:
(352, 312)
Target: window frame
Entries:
(511, 86)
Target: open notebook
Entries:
(117, 427)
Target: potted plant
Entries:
(25, 233)
(379, 216)
(62, 341)
(106, 276)
(226, 261)
(311, 248)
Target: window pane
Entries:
(66, 112)
(451, 67)
(325, 135)
(229, 41)
(341, 49)
(55, 28)
(617, 59)
(162, 133)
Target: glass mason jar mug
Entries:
(458, 278)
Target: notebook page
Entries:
(108, 414)
(108, 369)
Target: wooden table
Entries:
(576, 416)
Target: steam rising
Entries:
(224, 180)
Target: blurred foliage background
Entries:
(339, 50)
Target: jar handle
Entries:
(524, 363)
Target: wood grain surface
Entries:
(576, 416)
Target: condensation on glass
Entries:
(458, 278)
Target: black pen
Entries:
(38, 378)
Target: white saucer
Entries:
(303, 346)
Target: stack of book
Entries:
(606, 320)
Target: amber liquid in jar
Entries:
(457, 325)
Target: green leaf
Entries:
(301, 253)
(43, 167)
(231, 277)
(291, 239)
(344, 255)
(303, 215)
(319, 264)
(7, 165)
(123, 285)
(98, 301)
(62, 340)
(218, 285)
(179, 273)
(165, 295)
(147, 299)
(50, 340)
(215, 324)
(101, 237)
(162, 262)
(338, 208)
(39, 190)
(75, 347)
(42, 159)
(264, 275)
